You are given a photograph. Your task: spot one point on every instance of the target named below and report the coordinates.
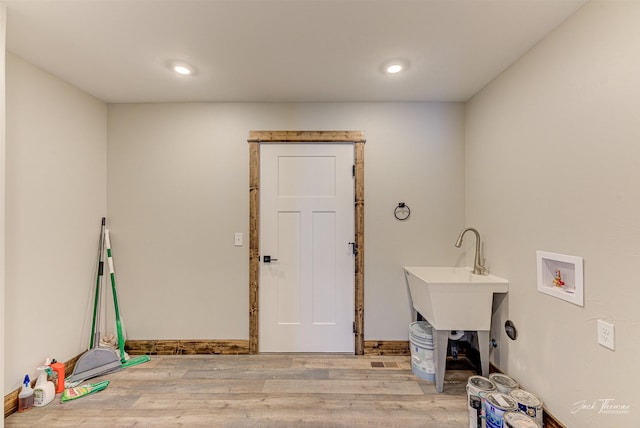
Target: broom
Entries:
(124, 358)
(98, 360)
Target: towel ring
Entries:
(402, 211)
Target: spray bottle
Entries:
(25, 397)
(44, 391)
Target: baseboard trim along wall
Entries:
(187, 347)
(386, 347)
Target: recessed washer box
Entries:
(561, 276)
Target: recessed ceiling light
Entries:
(395, 66)
(181, 68)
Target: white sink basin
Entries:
(453, 298)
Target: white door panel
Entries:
(307, 222)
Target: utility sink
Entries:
(454, 298)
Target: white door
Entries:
(306, 225)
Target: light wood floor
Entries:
(263, 391)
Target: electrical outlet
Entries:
(606, 334)
(238, 240)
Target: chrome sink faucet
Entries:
(478, 269)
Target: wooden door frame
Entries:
(304, 137)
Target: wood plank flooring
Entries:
(263, 391)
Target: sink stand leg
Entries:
(440, 345)
(483, 344)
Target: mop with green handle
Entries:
(98, 360)
(124, 358)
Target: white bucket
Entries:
(477, 387)
(421, 330)
(422, 353)
(528, 404)
(503, 382)
(518, 420)
(496, 405)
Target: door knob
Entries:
(268, 259)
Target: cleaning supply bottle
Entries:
(59, 369)
(25, 397)
(44, 391)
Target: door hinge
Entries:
(353, 171)
(354, 327)
(354, 248)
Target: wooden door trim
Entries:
(255, 139)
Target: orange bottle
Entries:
(59, 368)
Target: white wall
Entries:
(552, 164)
(3, 28)
(178, 190)
(55, 198)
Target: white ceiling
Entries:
(274, 50)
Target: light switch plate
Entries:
(606, 334)
(238, 239)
